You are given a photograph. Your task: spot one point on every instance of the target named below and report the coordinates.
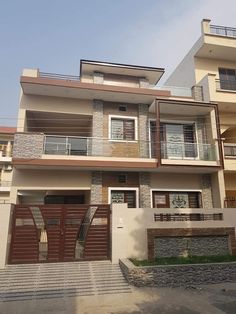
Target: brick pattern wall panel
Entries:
(110, 179)
(119, 149)
(187, 246)
(28, 145)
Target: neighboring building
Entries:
(211, 63)
(6, 145)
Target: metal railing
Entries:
(91, 146)
(5, 150)
(223, 31)
(230, 202)
(230, 150)
(181, 150)
(225, 84)
(59, 76)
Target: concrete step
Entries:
(57, 280)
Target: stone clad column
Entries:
(143, 131)
(97, 131)
(96, 188)
(207, 192)
(144, 189)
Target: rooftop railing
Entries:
(59, 76)
(223, 31)
(176, 91)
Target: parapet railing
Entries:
(223, 30)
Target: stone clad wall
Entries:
(178, 275)
(28, 145)
(198, 246)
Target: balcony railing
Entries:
(197, 151)
(230, 150)
(90, 146)
(5, 150)
(230, 202)
(59, 76)
(223, 31)
(226, 85)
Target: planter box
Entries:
(178, 275)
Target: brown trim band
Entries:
(92, 86)
(84, 163)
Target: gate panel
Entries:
(24, 241)
(97, 240)
(53, 233)
(53, 219)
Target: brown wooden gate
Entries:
(54, 233)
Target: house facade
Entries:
(114, 137)
(211, 63)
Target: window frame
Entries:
(136, 190)
(168, 191)
(118, 117)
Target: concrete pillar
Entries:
(144, 190)
(5, 223)
(96, 188)
(205, 26)
(143, 131)
(218, 188)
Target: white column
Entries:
(5, 221)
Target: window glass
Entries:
(122, 129)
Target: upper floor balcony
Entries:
(5, 152)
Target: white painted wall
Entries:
(5, 221)
(129, 227)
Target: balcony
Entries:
(5, 153)
(223, 31)
(189, 151)
(90, 146)
(226, 85)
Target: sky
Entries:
(53, 35)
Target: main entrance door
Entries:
(54, 233)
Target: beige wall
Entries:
(230, 181)
(176, 181)
(49, 180)
(129, 232)
(5, 220)
(44, 179)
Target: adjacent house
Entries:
(6, 145)
(211, 63)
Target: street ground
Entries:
(207, 299)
